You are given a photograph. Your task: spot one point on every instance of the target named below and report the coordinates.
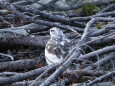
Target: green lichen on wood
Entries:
(113, 0)
(98, 25)
(89, 9)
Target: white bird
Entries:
(56, 48)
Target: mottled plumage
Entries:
(57, 47)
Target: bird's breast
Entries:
(51, 58)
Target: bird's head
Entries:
(56, 33)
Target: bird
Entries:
(57, 47)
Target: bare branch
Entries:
(12, 9)
(108, 75)
(23, 76)
(101, 62)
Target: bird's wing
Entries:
(56, 48)
(63, 50)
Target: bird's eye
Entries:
(51, 30)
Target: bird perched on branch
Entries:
(57, 46)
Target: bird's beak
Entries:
(49, 31)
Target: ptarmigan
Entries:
(56, 48)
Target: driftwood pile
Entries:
(24, 32)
